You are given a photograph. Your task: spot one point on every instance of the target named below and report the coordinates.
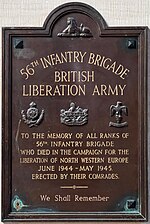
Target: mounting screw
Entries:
(17, 203)
(130, 204)
(131, 44)
(18, 44)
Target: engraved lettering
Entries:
(45, 198)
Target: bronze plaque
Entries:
(74, 119)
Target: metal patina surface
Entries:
(74, 119)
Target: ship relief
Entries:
(118, 110)
(32, 117)
(73, 30)
(74, 116)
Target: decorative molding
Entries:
(118, 110)
(32, 117)
(74, 115)
(73, 30)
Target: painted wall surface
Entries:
(24, 13)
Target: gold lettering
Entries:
(122, 89)
(106, 66)
(46, 168)
(124, 73)
(48, 176)
(58, 90)
(48, 90)
(76, 56)
(112, 67)
(101, 61)
(64, 57)
(108, 90)
(96, 90)
(42, 90)
(97, 59)
(46, 62)
(33, 160)
(35, 90)
(74, 76)
(112, 91)
(52, 56)
(103, 90)
(91, 58)
(119, 70)
(58, 60)
(82, 56)
(24, 91)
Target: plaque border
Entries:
(105, 31)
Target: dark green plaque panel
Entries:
(74, 119)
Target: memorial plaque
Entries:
(74, 119)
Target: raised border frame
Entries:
(46, 30)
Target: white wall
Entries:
(33, 13)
